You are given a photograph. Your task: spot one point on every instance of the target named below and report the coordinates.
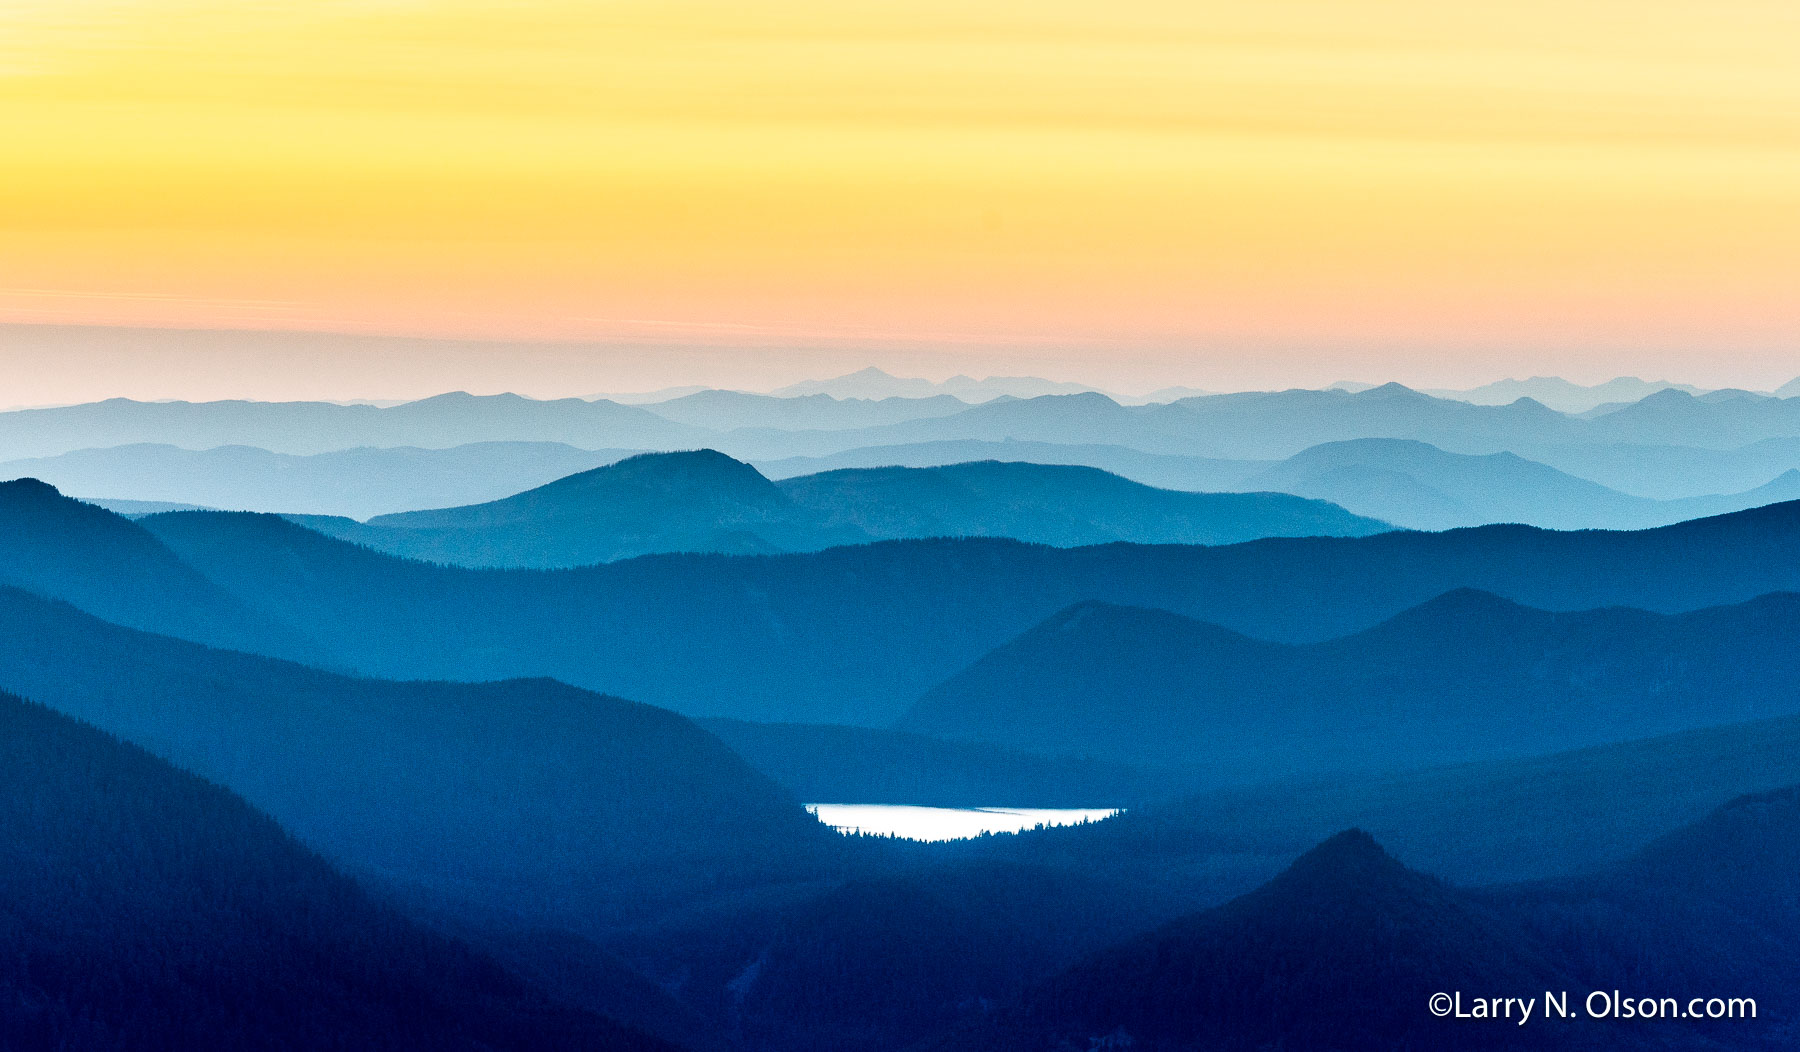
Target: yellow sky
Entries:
(1325, 182)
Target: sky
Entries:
(626, 195)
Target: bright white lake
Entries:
(948, 823)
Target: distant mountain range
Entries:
(321, 427)
(872, 383)
(1418, 486)
(1712, 443)
(1718, 420)
(656, 502)
(1563, 395)
(1164, 471)
(734, 410)
(136, 509)
(145, 907)
(1465, 676)
(358, 483)
(1274, 425)
(704, 501)
(1400, 481)
(1504, 486)
(1057, 504)
(1665, 472)
(362, 483)
(1250, 426)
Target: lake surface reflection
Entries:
(948, 823)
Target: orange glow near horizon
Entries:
(1408, 178)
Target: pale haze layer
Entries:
(616, 196)
(65, 364)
